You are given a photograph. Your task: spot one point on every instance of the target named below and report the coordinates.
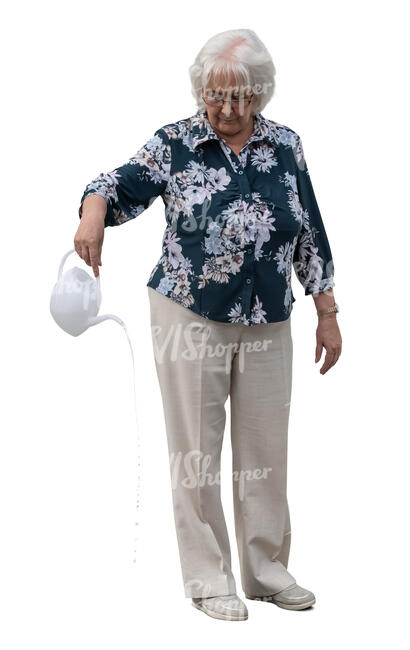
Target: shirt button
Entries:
(248, 280)
(247, 196)
(240, 171)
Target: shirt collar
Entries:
(202, 130)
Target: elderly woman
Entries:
(240, 214)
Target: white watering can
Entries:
(76, 299)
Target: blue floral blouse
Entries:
(235, 224)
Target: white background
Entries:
(85, 86)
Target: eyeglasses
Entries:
(217, 100)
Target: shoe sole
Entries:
(219, 616)
(295, 607)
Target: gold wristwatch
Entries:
(329, 310)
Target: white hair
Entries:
(237, 51)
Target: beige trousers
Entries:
(200, 363)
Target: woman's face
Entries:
(232, 117)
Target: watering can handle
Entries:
(60, 270)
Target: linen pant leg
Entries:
(194, 392)
(260, 403)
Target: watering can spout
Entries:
(94, 320)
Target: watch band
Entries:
(329, 310)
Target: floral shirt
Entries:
(235, 224)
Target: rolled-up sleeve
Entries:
(312, 260)
(131, 188)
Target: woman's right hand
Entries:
(89, 237)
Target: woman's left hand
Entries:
(328, 337)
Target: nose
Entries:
(226, 109)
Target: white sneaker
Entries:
(227, 608)
(293, 597)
